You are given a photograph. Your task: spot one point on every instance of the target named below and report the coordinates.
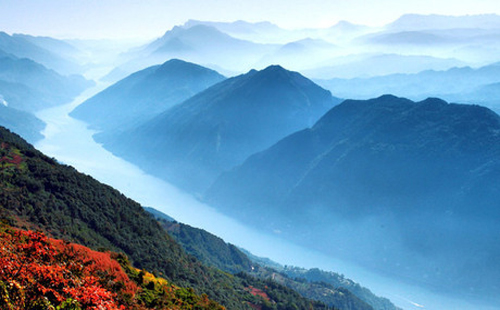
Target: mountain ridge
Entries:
(212, 131)
(145, 94)
(399, 173)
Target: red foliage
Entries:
(258, 292)
(11, 158)
(35, 270)
(97, 263)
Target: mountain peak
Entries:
(146, 93)
(221, 126)
(433, 101)
(274, 68)
(179, 64)
(278, 72)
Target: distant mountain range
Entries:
(52, 53)
(391, 183)
(29, 86)
(415, 42)
(462, 84)
(193, 142)
(145, 94)
(201, 44)
(376, 65)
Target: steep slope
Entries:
(29, 86)
(396, 185)
(209, 249)
(145, 94)
(38, 193)
(332, 289)
(333, 279)
(43, 273)
(193, 142)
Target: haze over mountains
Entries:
(33, 76)
(194, 141)
(463, 84)
(52, 53)
(145, 94)
(247, 118)
(397, 185)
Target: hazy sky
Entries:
(151, 18)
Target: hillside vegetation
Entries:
(37, 272)
(38, 193)
(329, 287)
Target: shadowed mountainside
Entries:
(193, 142)
(397, 185)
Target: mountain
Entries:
(26, 124)
(372, 65)
(193, 142)
(201, 44)
(399, 186)
(486, 95)
(330, 279)
(29, 86)
(58, 47)
(209, 249)
(300, 54)
(39, 194)
(145, 94)
(238, 27)
(35, 48)
(260, 32)
(56, 274)
(472, 39)
(333, 289)
(465, 84)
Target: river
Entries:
(70, 142)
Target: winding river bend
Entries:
(70, 142)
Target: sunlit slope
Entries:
(38, 193)
(332, 288)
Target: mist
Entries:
(71, 142)
(413, 57)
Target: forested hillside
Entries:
(37, 272)
(38, 193)
(332, 288)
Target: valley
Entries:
(219, 162)
(70, 141)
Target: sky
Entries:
(151, 18)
